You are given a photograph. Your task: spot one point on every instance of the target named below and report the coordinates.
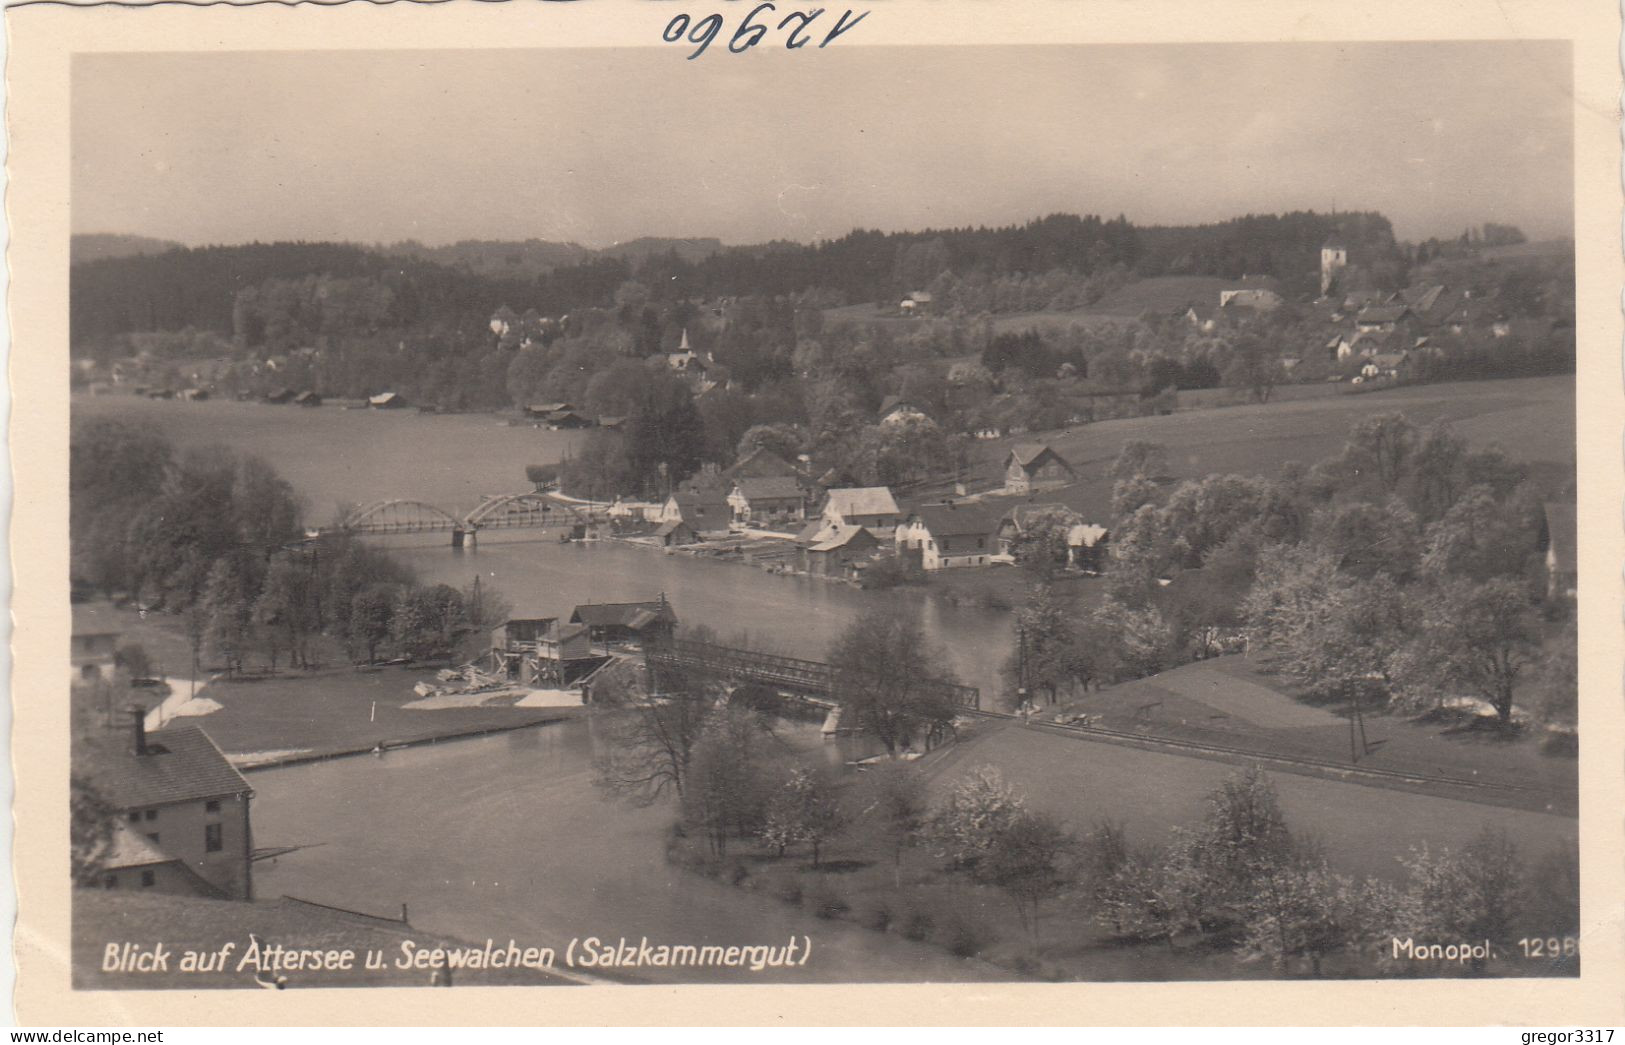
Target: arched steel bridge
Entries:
(496, 512)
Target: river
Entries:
(506, 837)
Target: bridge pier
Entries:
(457, 538)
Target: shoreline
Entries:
(307, 757)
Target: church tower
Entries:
(1334, 258)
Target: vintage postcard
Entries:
(989, 513)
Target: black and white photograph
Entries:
(991, 514)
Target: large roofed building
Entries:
(180, 808)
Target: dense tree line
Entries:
(198, 288)
(218, 540)
(1405, 571)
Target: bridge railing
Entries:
(816, 675)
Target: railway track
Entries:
(1320, 767)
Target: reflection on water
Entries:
(507, 837)
(783, 613)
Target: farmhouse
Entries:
(308, 398)
(1260, 293)
(93, 654)
(559, 419)
(1034, 466)
(769, 497)
(182, 821)
(944, 536)
(918, 301)
(760, 463)
(1383, 319)
(627, 621)
(278, 396)
(705, 511)
(1086, 547)
(540, 411)
(1019, 522)
(869, 506)
(895, 410)
(386, 401)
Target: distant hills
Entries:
(94, 246)
(499, 259)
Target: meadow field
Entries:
(1532, 419)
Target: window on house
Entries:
(109, 881)
(135, 815)
(152, 814)
(152, 836)
(979, 541)
(148, 879)
(212, 806)
(212, 841)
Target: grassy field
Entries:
(1532, 419)
(1081, 784)
(1364, 828)
(1238, 702)
(1160, 294)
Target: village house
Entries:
(1019, 521)
(944, 536)
(674, 534)
(895, 410)
(917, 302)
(1203, 316)
(308, 398)
(758, 500)
(705, 511)
(181, 812)
(1259, 293)
(278, 396)
(1384, 319)
(872, 507)
(565, 419)
(93, 654)
(1558, 535)
(1033, 466)
(386, 401)
(1086, 547)
(760, 463)
(541, 411)
(836, 548)
(627, 621)
(540, 649)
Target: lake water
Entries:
(334, 456)
(780, 613)
(506, 837)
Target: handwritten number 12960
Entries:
(797, 27)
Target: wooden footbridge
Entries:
(535, 511)
(815, 680)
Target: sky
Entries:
(601, 146)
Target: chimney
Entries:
(138, 728)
